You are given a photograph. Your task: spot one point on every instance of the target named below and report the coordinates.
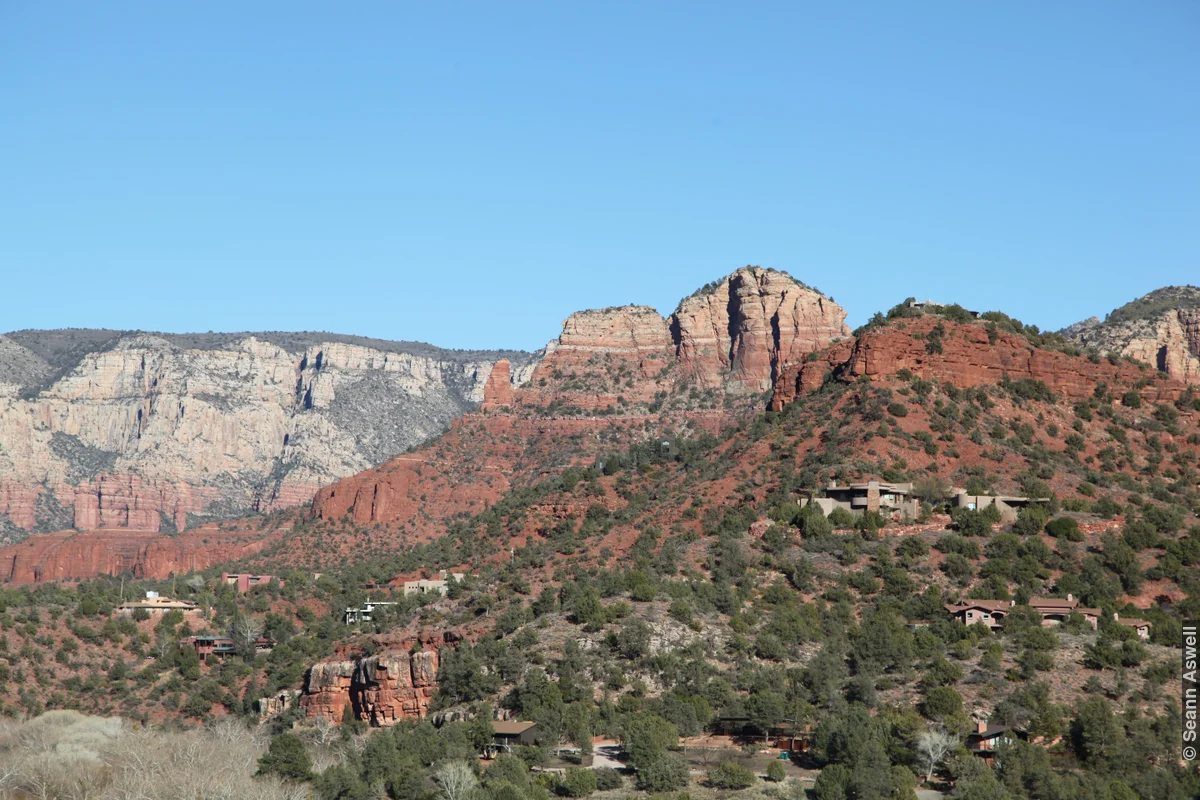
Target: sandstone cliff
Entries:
(380, 689)
(742, 330)
(128, 430)
(1161, 329)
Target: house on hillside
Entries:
(439, 585)
(931, 307)
(988, 612)
(245, 582)
(156, 606)
(1141, 626)
(872, 495)
(1009, 506)
(986, 739)
(1055, 610)
(507, 734)
(221, 646)
(353, 616)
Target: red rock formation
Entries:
(19, 502)
(145, 554)
(380, 689)
(498, 391)
(968, 358)
(128, 501)
(743, 330)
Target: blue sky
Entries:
(470, 174)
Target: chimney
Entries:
(1116, 616)
(981, 727)
(1070, 597)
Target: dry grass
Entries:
(69, 756)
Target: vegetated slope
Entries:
(1161, 329)
(680, 582)
(132, 430)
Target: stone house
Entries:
(873, 495)
(1055, 610)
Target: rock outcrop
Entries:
(741, 331)
(1161, 329)
(102, 429)
(381, 689)
(968, 357)
(143, 554)
(498, 391)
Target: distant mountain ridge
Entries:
(1161, 328)
(151, 431)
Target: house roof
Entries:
(157, 602)
(1052, 602)
(1133, 621)
(986, 605)
(511, 728)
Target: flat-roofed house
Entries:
(245, 582)
(873, 495)
(155, 605)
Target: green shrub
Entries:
(664, 774)
(897, 409)
(578, 782)
(607, 778)
(1064, 528)
(776, 772)
(287, 758)
(728, 775)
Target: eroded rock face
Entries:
(1169, 341)
(381, 689)
(144, 554)
(741, 331)
(968, 358)
(155, 432)
(498, 391)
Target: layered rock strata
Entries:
(744, 329)
(147, 433)
(1170, 341)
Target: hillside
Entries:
(617, 580)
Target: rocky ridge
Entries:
(968, 355)
(1161, 329)
(159, 432)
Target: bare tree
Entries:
(456, 780)
(933, 746)
(245, 630)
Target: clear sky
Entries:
(470, 174)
